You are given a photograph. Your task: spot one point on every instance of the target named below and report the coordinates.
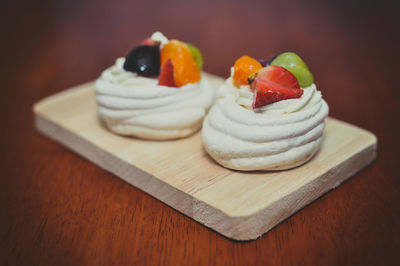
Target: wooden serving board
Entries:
(239, 205)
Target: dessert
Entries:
(156, 92)
(269, 116)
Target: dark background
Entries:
(58, 209)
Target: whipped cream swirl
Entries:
(277, 136)
(134, 105)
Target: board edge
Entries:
(248, 227)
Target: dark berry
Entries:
(144, 60)
(266, 62)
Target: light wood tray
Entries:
(239, 205)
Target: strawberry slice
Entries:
(166, 77)
(148, 41)
(279, 75)
(266, 92)
(274, 84)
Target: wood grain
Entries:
(239, 205)
(58, 209)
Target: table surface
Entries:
(56, 208)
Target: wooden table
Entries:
(58, 209)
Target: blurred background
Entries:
(351, 47)
(50, 45)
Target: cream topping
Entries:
(159, 37)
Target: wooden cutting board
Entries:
(239, 205)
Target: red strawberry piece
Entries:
(279, 75)
(166, 77)
(273, 84)
(148, 41)
(267, 92)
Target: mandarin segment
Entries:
(244, 67)
(185, 67)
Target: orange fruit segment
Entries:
(244, 67)
(185, 67)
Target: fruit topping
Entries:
(273, 84)
(144, 60)
(198, 57)
(149, 41)
(296, 66)
(185, 67)
(278, 75)
(244, 67)
(266, 93)
(266, 62)
(166, 77)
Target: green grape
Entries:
(296, 66)
(196, 55)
